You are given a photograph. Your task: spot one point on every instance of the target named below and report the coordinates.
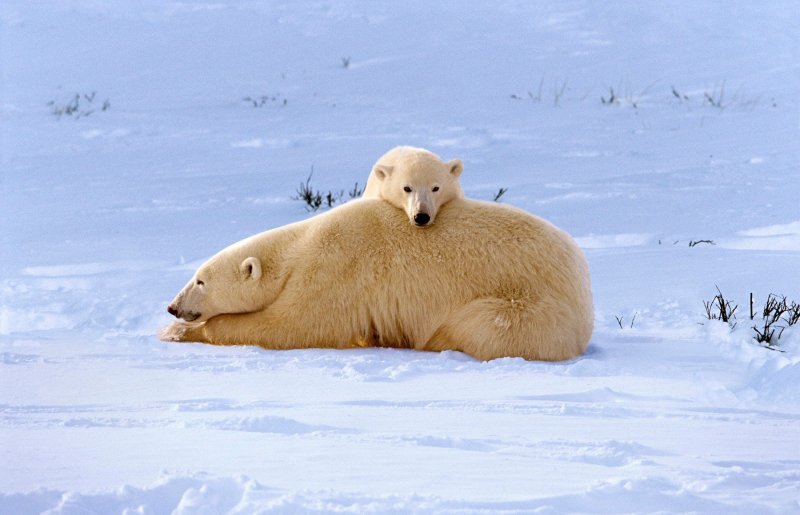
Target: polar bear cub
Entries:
(416, 181)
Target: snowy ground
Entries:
(105, 214)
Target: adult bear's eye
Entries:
(435, 188)
(200, 283)
(407, 189)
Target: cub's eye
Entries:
(435, 188)
(200, 283)
(407, 189)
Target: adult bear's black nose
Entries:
(172, 311)
(421, 218)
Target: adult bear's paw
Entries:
(181, 332)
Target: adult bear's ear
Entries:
(251, 268)
(456, 167)
(383, 171)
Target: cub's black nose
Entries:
(421, 218)
(172, 311)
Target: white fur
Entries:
(488, 279)
(416, 181)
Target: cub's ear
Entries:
(251, 268)
(382, 171)
(456, 167)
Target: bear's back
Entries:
(363, 271)
(472, 235)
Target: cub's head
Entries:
(415, 180)
(224, 284)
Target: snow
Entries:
(106, 213)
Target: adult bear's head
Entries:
(219, 286)
(233, 281)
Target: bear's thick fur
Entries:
(488, 279)
(416, 181)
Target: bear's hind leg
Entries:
(490, 328)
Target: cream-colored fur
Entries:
(416, 181)
(489, 280)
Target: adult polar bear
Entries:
(488, 279)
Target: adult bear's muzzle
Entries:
(189, 316)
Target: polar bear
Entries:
(490, 280)
(416, 181)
